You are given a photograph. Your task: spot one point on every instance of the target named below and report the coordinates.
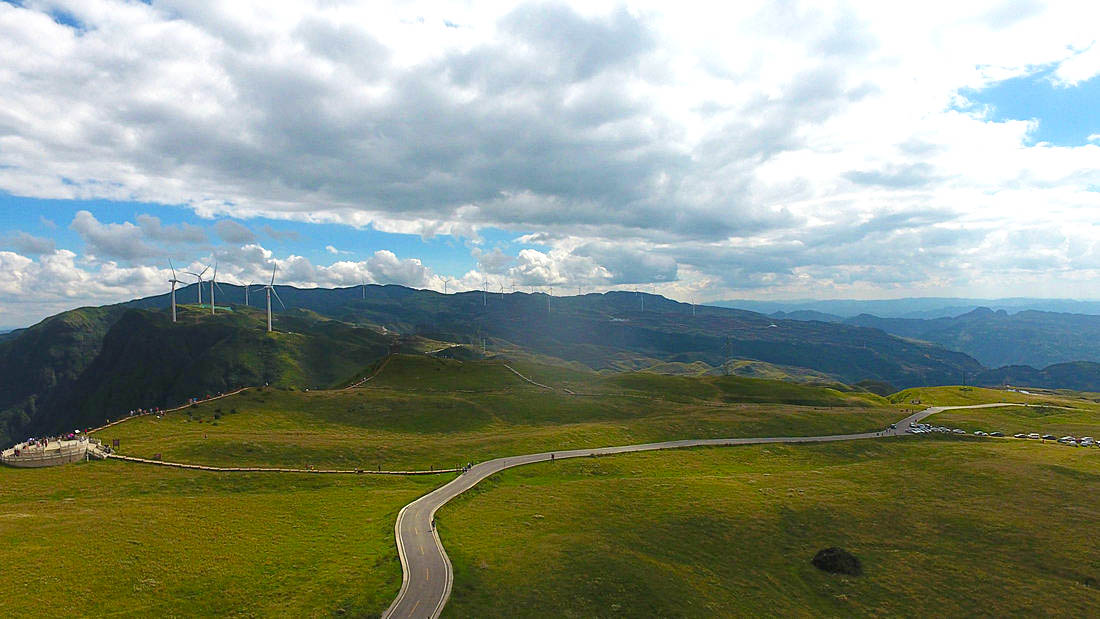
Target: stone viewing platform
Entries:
(52, 452)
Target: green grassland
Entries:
(118, 538)
(421, 412)
(962, 396)
(1026, 419)
(944, 527)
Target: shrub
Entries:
(837, 561)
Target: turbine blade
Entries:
(173, 267)
(274, 292)
(273, 273)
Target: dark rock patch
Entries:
(837, 561)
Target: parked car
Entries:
(1033, 435)
(996, 433)
(1019, 435)
(1049, 437)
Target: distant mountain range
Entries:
(80, 367)
(918, 307)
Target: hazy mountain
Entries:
(1078, 376)
(919, 307)
(998, 338)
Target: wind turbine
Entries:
(214, 282)
(173, 281)
(484, 293)
(364, 289)
(270, 288)
(502, 293)
(513, 286)
(250, 284)
(445, 280)
(198, 276)
(548, 297)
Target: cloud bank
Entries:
(801, 148)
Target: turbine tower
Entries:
(250, 284)
(173, 281)
(484, 293)
(270, 288)
(198, 276)
(364, 289)
(214, 282)
(502, 293)
(445, 280)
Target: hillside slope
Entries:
(85, 368)
(606, 331)
(997, 338)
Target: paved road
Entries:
(426, 569)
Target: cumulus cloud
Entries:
(767, 147)
(233, 232)
(29, 245)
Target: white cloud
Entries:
(755, 147)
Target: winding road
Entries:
(426, 569)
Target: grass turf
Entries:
(1026, 419)
(117, 538)
(944, 527)
(406, 428)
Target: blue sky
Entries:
(52, 218)
(845, 149)
(1066, 114)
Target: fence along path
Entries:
(167, 410)
(262, 469)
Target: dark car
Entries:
(1049, 437)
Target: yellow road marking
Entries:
(414, 607)
(421, 549)
(427, 575)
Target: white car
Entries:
(1034, 435)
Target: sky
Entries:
(762, 150)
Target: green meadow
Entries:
(420, 413)
(133, 540)
(943, 527)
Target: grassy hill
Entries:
(90, 365)
(420, 412)
(141, 541)
(604, 330)
(943, 528)
(84, 366)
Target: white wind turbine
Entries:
(445, 280)
(270, 288)
(214, 282)
(173, 281)
(502, 293)
(198, 276)
(484, 293)
(250, 284)
(364, 289)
